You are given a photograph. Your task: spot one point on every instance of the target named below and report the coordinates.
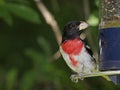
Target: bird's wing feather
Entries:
(89, 50)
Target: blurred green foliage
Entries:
(20, 10)
(27, 45)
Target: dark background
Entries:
(28, 43)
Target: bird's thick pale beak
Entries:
(83, 25)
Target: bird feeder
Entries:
(109, 38)
(109, 42)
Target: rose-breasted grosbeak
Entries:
(75, 52)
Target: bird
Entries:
(76, 53)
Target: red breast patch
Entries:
(73, 61)
(72, 46)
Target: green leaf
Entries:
(24, 12)
(2, 2)
(5, 14)
(93, 20)
(28, 80)
(45, 45)
(38, 58)
(11, 78)
(42, 65)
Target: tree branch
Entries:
(52, 22)
(49, 20)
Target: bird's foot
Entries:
(76, 77)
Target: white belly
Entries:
(85, 65)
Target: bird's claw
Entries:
(76, 77)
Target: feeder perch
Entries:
(76, 77)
